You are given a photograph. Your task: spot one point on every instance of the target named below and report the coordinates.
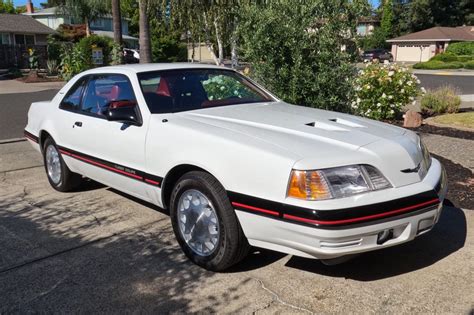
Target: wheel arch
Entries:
(43, 135)
(173, 176)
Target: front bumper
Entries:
(273, 230)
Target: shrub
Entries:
(445, 57)
(440, 101)
(436, 65)
(86, 44)
(53, 66)
(76, 58)
(298, 56)
(168, 48)
(382, 91)
(469, 65)
(462, 48)
(54, 48)
(465, 58)
(73, 62)
(14, 73)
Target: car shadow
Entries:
(447, 237)
(139, 201)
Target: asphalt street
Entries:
(14, 111)
(465, 84)
(99, 251)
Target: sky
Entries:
(36, 3)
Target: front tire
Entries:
(205, 224)
(59, 175)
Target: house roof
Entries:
(438, 33)
(111, 35)
(57, 11)
(47, 11)
(18, 23)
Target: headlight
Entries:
(337, 182)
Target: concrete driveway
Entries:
(97, 250)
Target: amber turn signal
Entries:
(308, 185)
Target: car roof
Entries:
(137, 68)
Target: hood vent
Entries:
(311, 124)
(346, 123)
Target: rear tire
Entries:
(205, 224)
(59, 175)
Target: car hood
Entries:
(318, 138)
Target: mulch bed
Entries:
(28, 79)
(460, 184)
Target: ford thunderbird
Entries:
(237, 167)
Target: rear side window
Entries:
(102, 90)
(73, 98)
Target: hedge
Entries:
(461, 48)
(435, 65)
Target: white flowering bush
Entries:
(381, 90)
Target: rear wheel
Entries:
(205, 224)
(59, 175)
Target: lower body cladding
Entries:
(391, 223)
(317, 243)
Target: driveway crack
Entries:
(276, 298)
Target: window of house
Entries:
(4, 39)
(30, 39)
(51, 22)
(21, 39)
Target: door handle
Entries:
(78, 124)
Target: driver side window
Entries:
(103, 90)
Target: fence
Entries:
(17, 56)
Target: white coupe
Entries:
(235, 166)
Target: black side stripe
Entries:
(138, 175)
(30, 136)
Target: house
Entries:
(421, 46)
(367, 25)
(18, 29)
(53, 18)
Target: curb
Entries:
(13, 140)
(445, 73)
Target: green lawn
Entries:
(459, 119)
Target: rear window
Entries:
(189, 89)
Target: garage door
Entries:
(414, 53)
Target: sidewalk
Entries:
(14, 86)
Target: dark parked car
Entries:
(377, 54)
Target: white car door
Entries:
(110, 152)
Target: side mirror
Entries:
(123, 111)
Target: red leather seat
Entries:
(114, 93)
(163, 88)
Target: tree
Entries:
(144, 33)
(117, 22)
(295, 50)
(416, 15)
(7, 7)
(85, 10)
(387, 18)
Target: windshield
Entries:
(187, 89)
